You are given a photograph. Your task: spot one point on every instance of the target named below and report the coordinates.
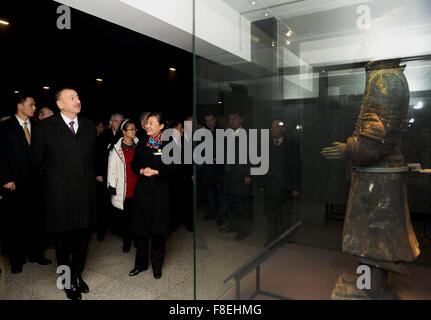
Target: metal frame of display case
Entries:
(257, 261)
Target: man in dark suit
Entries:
(213, 176)
(282, 184)
(21, 220)
(141, 134)
(63, 152)
(237, 186)
(181, 183)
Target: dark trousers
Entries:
(182, 204)
(75, 243)
(22, 225)
(158, 251)
(121, 219)
(124, 220)
(214, 192)
(103, 213)
(237, 211)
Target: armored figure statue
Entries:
(377, 228)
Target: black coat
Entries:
(102, 154)
(151, 206)
(66, 164)
(284, 174)
(14, 155)
(142, 135)
(212, 173)
(234, 174)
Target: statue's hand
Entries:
(337, 151)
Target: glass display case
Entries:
(298, 68)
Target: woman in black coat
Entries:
(151, 207)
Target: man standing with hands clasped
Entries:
(63, 151)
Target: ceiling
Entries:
(283, 9)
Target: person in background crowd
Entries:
(142, 132)
(237, 187)
(63, 153)
(151, 207)
(105, 139)
(181, 184)
(102, 196)
(187, 178)
(221, 121)
(100, 127)
(20, 218)
(121, 179)
(108, 135)
(282, 184)
(45, 113)
(213, 176)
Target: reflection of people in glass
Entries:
(213, 175)
(282, 184)
(237, 188)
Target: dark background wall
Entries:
(134, 68)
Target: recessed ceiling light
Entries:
(419, 105)
(287, 42)
(253, 3)
(220, 102)
(4, 22)
(172, 69)
(46, 88)
(266, 14)
(16, 91)
(289, 34)
(99, 80)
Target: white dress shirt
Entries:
(279, 141)
(21, 123)
(67, 120)
(178, 142)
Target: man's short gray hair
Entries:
(144, 115)
(115, 115)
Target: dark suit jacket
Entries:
(14, 155)
(284, 174)
(234, 174)
(66, 164)
(142, 135)
(102, 154)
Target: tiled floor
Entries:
(107, 274)
(300, 268)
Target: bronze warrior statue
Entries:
(377, 228)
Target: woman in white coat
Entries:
(121, 179)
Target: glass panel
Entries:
(298, 69)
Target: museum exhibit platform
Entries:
(307, 273)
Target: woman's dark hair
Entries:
(159, 117)
(119, 134)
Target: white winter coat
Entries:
(117, 174)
